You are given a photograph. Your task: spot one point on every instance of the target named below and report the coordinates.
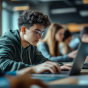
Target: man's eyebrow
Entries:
(38, 30)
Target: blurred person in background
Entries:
(49, 45)
(84, 38)
(64, 45)
(84, 35)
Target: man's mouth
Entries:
(36, 40)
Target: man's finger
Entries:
(68, 65)
(52, 67)
(56, 65)
(65, 68)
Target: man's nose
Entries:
(39, 36)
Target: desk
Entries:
(81, 78)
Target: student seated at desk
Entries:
(68, 35)
(49, 46)
(84, 35)
(18, 47)
(76, 41)
(18, 79)
(64, 45)
(84, 38)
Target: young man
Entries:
(18, 48)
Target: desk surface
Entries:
(81, 78)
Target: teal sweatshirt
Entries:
(13, 56)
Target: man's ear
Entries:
(23, 30)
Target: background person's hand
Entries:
(86, 60)
(25, 81)
(84, 38)
(72, 54)
(69, 64)
(66, 67)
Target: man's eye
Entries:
(37, 32)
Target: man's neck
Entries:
(23, 42)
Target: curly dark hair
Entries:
(30, 17)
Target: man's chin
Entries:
(34, 44)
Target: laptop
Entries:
(75, 69)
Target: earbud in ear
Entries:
(23, 29)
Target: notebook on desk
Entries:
(75, 69)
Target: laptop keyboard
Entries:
(62, 72)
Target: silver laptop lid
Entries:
(79, 59)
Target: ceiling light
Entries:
(19, 8)
(50, 0)
(63, 10)
(83, 13)
(14, 0)
(85, 1)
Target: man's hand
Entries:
(72, 54)
(24, 81)
(47, 66)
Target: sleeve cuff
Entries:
(67, 58)
(4, 83)
(11, 73)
